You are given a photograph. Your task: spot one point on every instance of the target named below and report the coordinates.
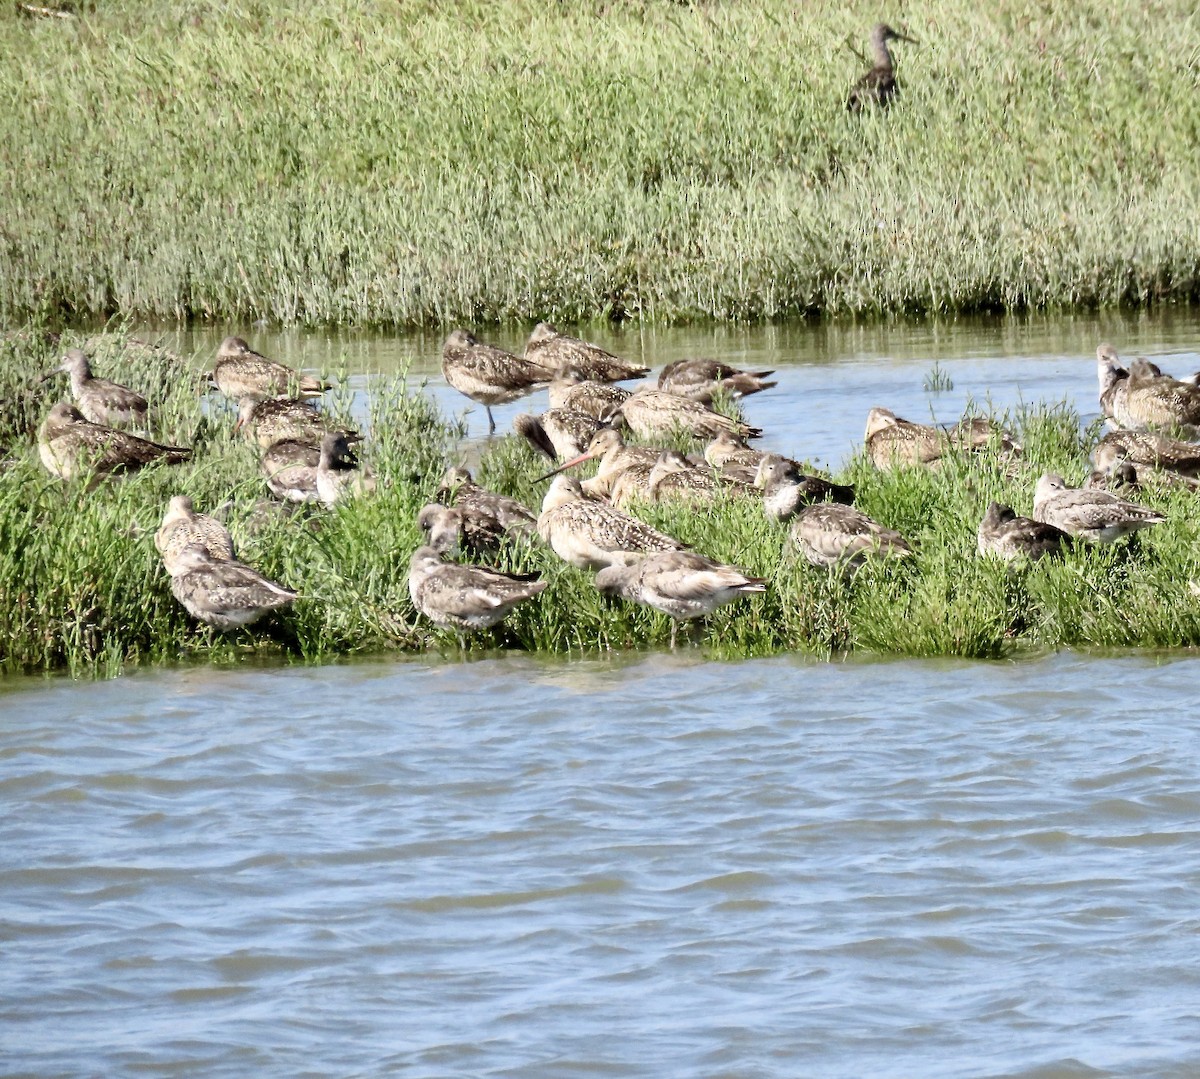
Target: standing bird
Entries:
(592, 535)
(557, 350)
(488, 375)
(183, 527)
(1094, 515)
(878, 86)
(465, 597)
(70, 445)
(223, 593)
(702, 380)
(241, 372)
(339, 475)
(98, 399)
(1003, 534)
(681, 584)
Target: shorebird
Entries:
(183, 527)
(625, 487)
(608, 446)
(453, 529)
(1143, 397)
(829, 534)
(701, 380)
(558, 350)
(1147, 449)
(224, 593)
(98, 399)
(655, 413)
(339, 474)
(728, 450)
(1113, 380)
(787, 490)
(290, 468)
(70, 446)
(488, 375)
(878, 86)
(1003, 534)
(559, 433)
(460, 490)
(277, 419)
(592, 535)
(461, 597)
(572, 389)
(681, 584)
(241, 372)
(1094, 515)
(893, 442)
(674, 476)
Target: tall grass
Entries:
(412, 162)
(82, 588)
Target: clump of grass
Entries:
(417, 163)
(937, 379)
(82, 587)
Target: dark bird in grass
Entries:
(100, 400)
(70, 445)
(787, 490)
(339, 473)
(488, 375)
(465, 597)
(241, 372)
(702, 380)
(458, 530)
(224, 593)
(681, 584)
(1003, 534)
(290, 467)
(558, 350)
(878, 86)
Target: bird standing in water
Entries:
(878, 86)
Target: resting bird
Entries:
(878, 86)
(455, 529)
(224, 593)
(461, 597)
(241, 372)
(460, 490)
(290, 469)
(557, 350)
(1003, 534)
(702, 380)
(98, 399)
(786, 490)
(681, 584)
(829, 534)
(1093, 515)
(70, 446)
(339, 474)
(183, 527)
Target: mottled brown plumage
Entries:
(290, 469)
(224, 593)
(559, 433)
(829, 534)
(183, 527)
(277, 419)
(462, 597)
(1094, 515)
(1005, 535)
(240, 372)
(656, 414)
(70, 446)
(702, 380)
(487, 374)
(555, 350)
(878, 86)
(99, 400)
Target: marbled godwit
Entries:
(460, 490)
(878, 86)
(727, 449)
(625, 487)
(290, 469)
(279, 419)
(99, 400)
(681, 584)
(224, 593)
(1147, 449)
(1003, 534)
(71, 446)
(608, 446)
(787, 490)
(1093, 515)
(461, 597)
(559, 433)
(241, 372)
(558, 350)
(454, 529)
(592, 535)
(701, 380)
(893, 442)
(339, 473)
(1152, 399)
(675, 477)
(1113, 379)
(656, 413)
(488, 375)
(572, 389)
(829, 534)
(183, 527)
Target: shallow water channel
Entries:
(648, 865)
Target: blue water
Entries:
(648, 866)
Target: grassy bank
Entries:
(415, 163)
(82, 588)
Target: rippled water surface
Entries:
(652, 867)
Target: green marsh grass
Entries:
(82, 587)
(412, 162)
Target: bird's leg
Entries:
(491, 420)
(674, 632)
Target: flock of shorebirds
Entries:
(588, 523)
